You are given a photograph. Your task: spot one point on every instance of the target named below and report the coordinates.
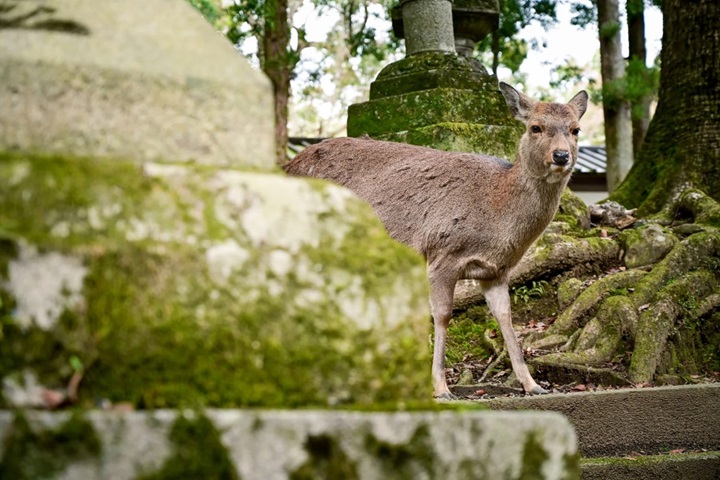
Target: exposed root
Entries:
(701, 207)
(656, 322)
(684, 285)
(551, 255)
(696, 251)
(588, 300)
(502, 358)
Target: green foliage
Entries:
(209, 9)
(609, 30)
(585, 14)
(466, 335)
(639, 81)
(514, 16)
(525, 293)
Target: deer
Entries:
(472, 216)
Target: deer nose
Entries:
(561, 157)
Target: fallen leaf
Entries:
(677, 450)
(579, 388)
(53, 398)
(480, 392)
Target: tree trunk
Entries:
(682, 146)
(618, 127)
(278, 67)
(638, 53)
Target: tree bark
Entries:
(636, 44)
(277, 66)
(618, 127)
(682, 146)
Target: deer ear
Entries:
(579, 103)
(519, 104)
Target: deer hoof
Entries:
(445, 396)
(538, 390)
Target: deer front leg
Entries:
(498, 300)
(442, 288)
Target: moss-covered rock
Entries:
(184, 286)
(88, 78)
(573, 211)
(646, 245)
(447, 118)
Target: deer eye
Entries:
(576, 131)
(535, 129)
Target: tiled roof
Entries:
(590, 159)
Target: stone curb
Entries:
(618, 422)
(695, 466)
(279, 444)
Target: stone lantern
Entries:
(439, 95)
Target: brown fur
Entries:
(471, 216)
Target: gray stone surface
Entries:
(428, 26)
(290, 287)
(272, 445)
(618, 422)
(147, 80)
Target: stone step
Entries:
(616, 423)
(689, 466)
(288, 444)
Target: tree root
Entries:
(587, 301)
(501, 358)
(702, 208)
(684, 285)
(551, 255)
(656, 322)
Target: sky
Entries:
(567, 42)
(562, 42)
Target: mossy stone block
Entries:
(130, 80)
(427, 107)
(177, 285)
(428, 71)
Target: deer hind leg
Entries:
(442, 288)
(498, 299)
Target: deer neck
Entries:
(538, 196)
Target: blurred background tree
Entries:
(322, 55)
(276, 36)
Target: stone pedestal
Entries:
(435, 97)
(137, 80)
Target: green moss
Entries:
(573, 211)
(47, 191)
(405, 461)
(427, 107)
(31, 454)
(156, 331)
(466, 335)
(571, 463)
(500, 141)
(198, 453)
(326, 460)
(429, 70)
(533, 458)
